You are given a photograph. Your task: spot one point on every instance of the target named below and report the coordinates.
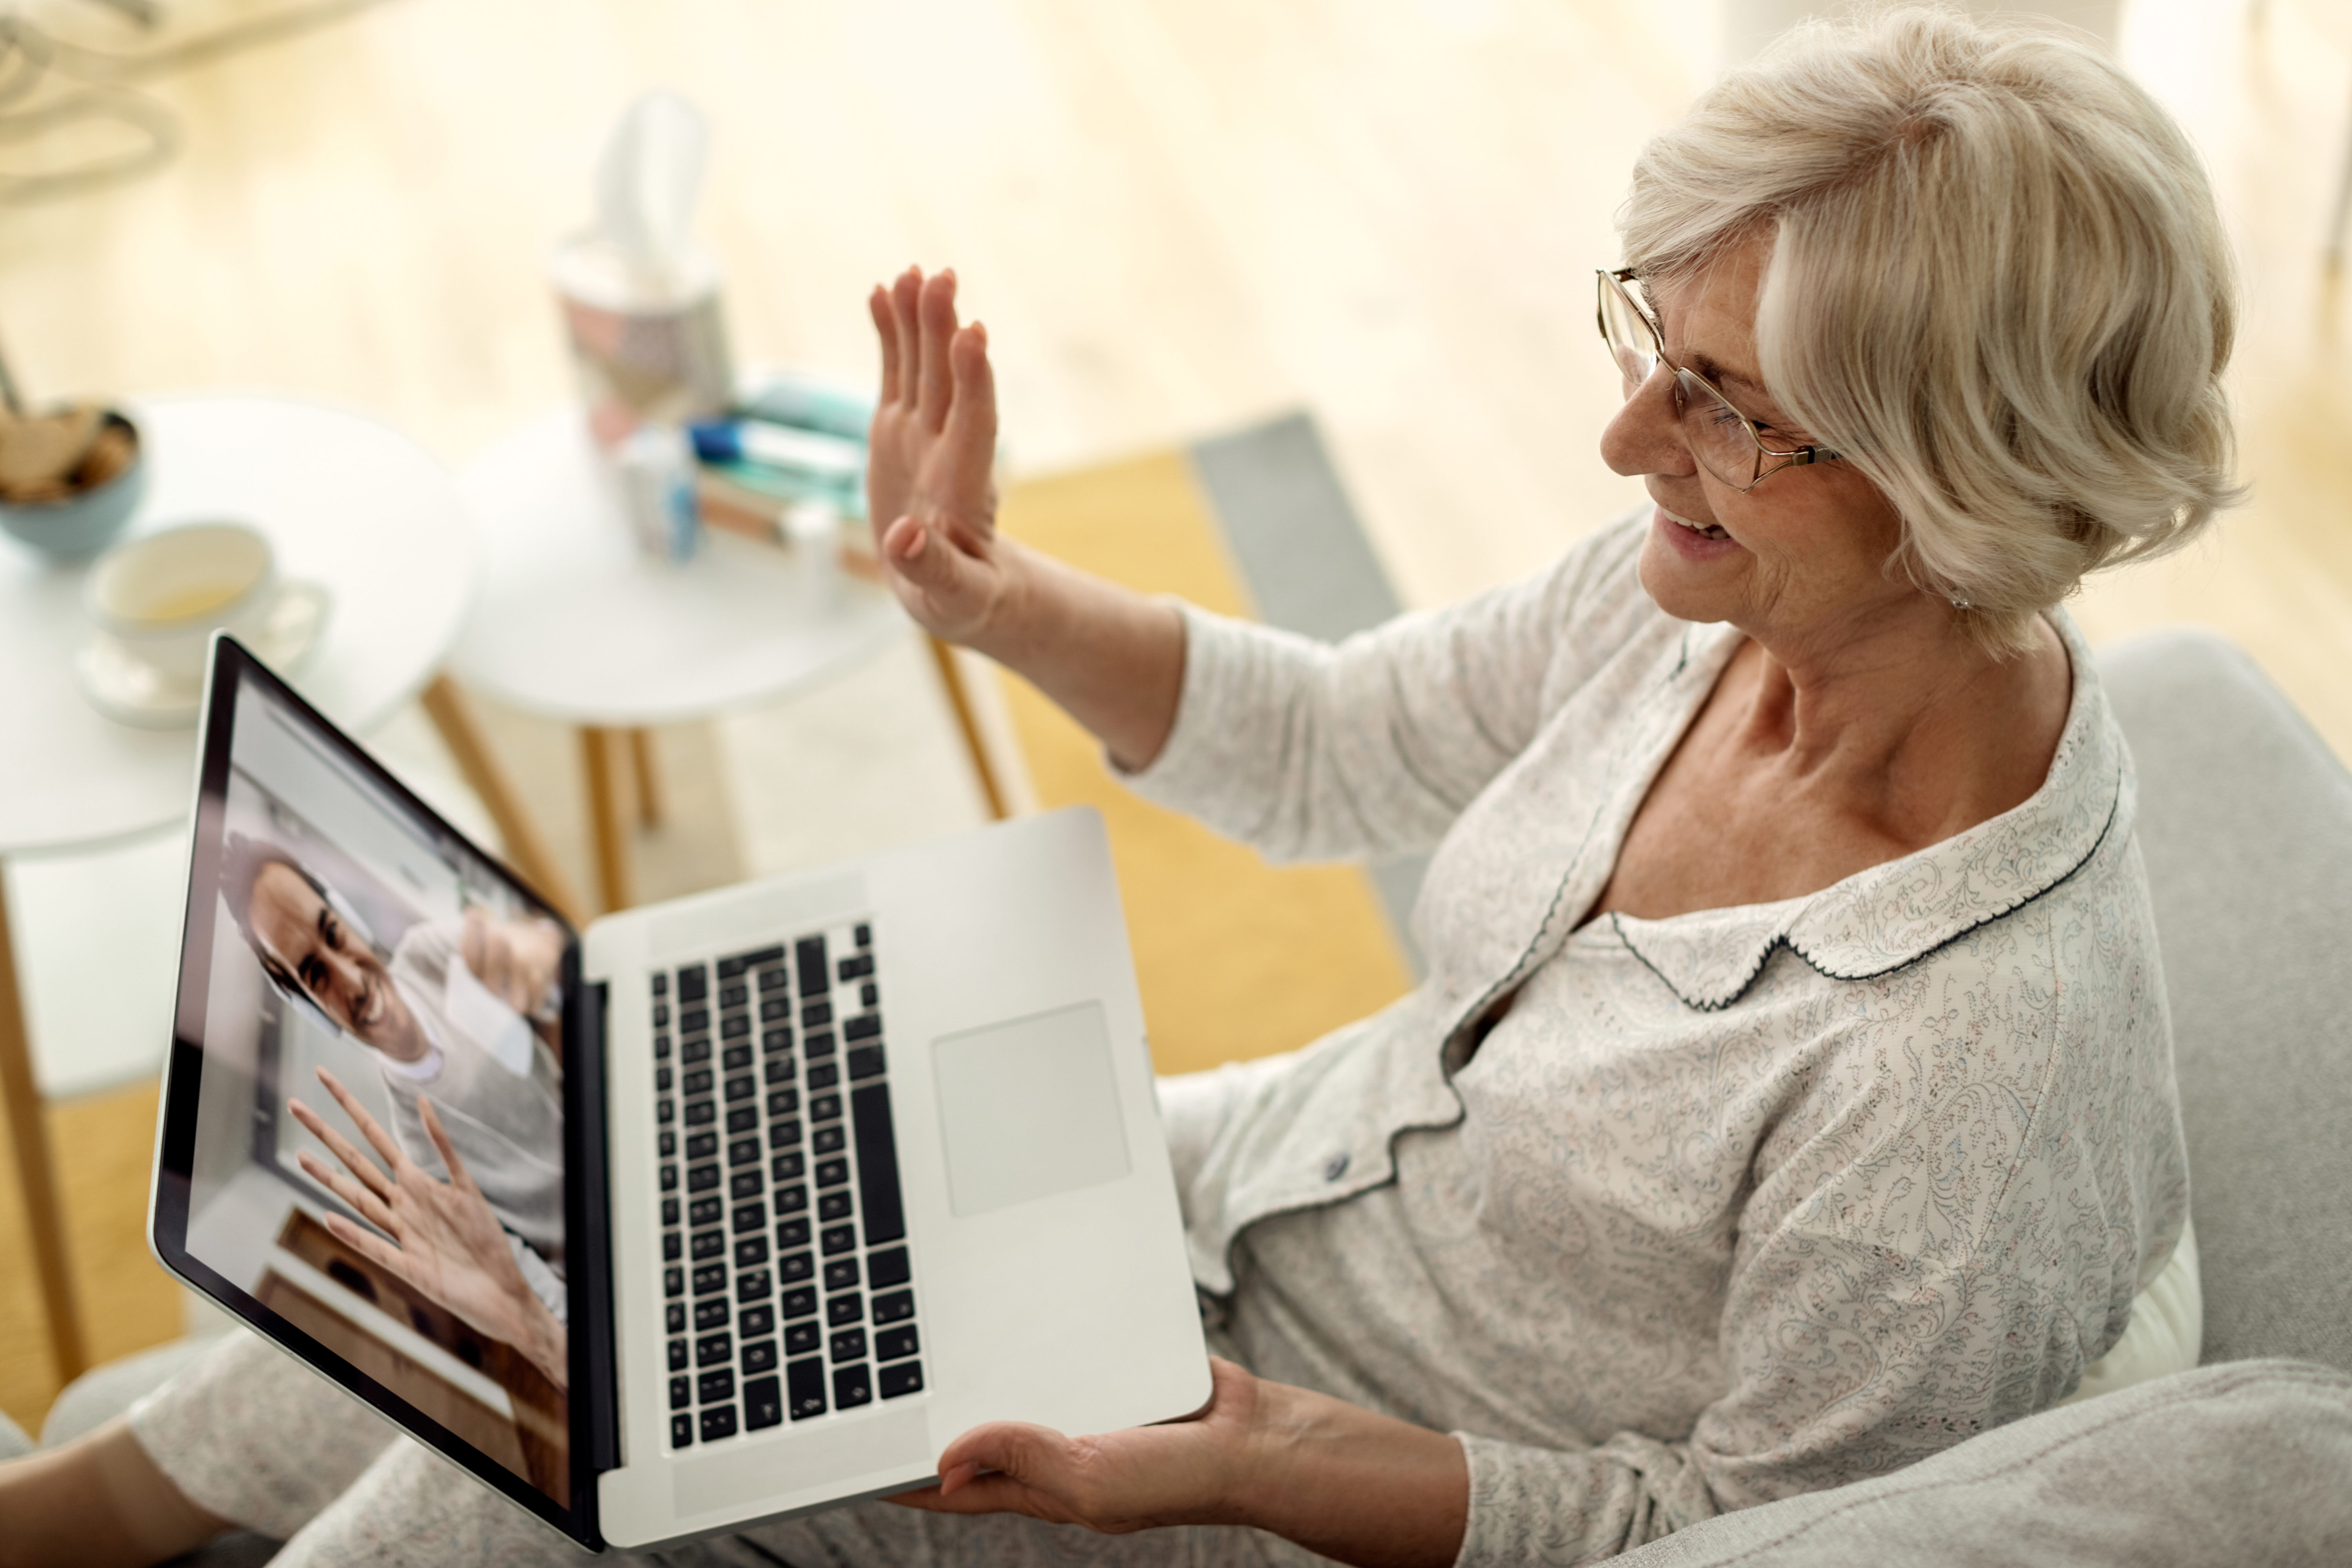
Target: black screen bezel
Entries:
(589, 1401)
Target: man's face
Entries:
(341, 972)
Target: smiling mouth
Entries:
(371, 1006)
(1704, 530)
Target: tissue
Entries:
(640, 300)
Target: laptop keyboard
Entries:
(785, 1283)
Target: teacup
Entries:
(162, 596)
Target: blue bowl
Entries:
(87, 524)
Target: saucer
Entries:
(129, 691)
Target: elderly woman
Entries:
(1791, 1095)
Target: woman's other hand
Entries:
(930, 490)
(1333, 1476)
(445, 1241)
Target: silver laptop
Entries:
(767, 1194)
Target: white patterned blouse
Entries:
(1727, 1206)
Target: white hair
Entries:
(1998, 286)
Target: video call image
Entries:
(379, 1128)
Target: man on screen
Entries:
(448, 1013)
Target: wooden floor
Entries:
(1176, 216)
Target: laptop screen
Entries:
(365, 1148)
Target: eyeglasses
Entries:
(1722, 439)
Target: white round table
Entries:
(92, 811)
(573, 623)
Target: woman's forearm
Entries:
(1355, 1486)
(1113, 659)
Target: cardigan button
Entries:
(1336, 1166)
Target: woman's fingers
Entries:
(937, 319)
(886, 330)
(360, 1165)
(370, 1128)
(906, 294)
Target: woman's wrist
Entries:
(1109, 656)
(1352, 1484)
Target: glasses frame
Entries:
(1613, 281)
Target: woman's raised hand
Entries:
(931, 490)
(445, 1241)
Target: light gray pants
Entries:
(253, 1436)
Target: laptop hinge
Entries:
(590, 1273)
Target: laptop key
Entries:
(784, 1135)
(702, 1146)
(894, 1344)
(772, 979)
(791, 1232)
(833, 1206)
(710, 1277)
(864, 1026)
(709, 1314)
(708, 1245)
(673, 1314)
(694, 1051)
(778, 1072)
(701, 1112)
(714, 1350)
(804, 1388)
(852, 1386)
(681, 1431)
(756, 1286)
(887, 1268)
(815, 1014)
(664, 1080)
(803, 1339)
(896, 1307)
(735, 1026)
(661, 1014)
(661, 983)
(760, 1356)
(681, 1393)
(668, 1144)
(848, 1345)
(792, 1199)
(878, 1163)
(823, 1108)
(680, 1355)
(742, 1118)
(701, 1178)
(818, 1045)
(823, 1075)
(831, 1173)
(693, 1021)
(808, 957)
(661, 1047)
(844, 1310)
(774, 1040)
(763, 1404)
(718, 1423)
(693, 983)
(750, 1251)
(907, 1377)
(698, 1081)
(674, 1281)
(744, 1183)
(729, 969)
(837, 1238)
(841, 1275)
(799, 1303)
(866, 1061)
(665, 1109)
(755, 1322)
(744, 1151)
(869, 995)
(752, 1216)
(742, 1087)
(671, 1246)
(714, 1386)
(830, 1140)
(734, 996)
(774, 1009)
(735, 1058)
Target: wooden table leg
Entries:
(525, 845)
(607, 820)
(649, 800)
(952, 678)
(28, 1135)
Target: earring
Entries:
(1960, 604)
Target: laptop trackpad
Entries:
(1028, 1108)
